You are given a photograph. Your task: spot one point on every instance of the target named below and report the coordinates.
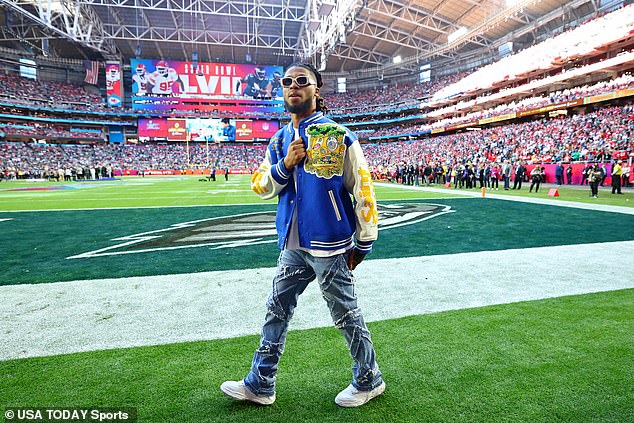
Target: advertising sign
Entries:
(244, 130)
(176, 130)
(153, 128)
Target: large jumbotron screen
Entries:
(159, 85)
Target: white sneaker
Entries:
(239, 391)
(352, 397)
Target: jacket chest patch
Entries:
(326, 150)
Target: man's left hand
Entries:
(355, 258)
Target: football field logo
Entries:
(244, 230)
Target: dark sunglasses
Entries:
(301, 81)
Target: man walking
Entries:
(315, 166)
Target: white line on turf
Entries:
(67, 317)
(257, 203)
(545, 201)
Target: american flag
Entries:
(92, 72)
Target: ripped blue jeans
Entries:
(295, 270)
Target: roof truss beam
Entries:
(170, 35)
(243, 9)
(412, 15)
(391, 35)
(347, 52)
(68, 18)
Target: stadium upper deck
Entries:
(572, 72)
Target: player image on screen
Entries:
(276, 85)
(140, 78)
(254, 84)
(228, 131)
(112, 77)
(164, 79)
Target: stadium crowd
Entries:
(24, 91)
(599, 135)
(54, 132)
(27, 160)
(625, 81)
(49, 132)
(388, 97)
(594, 136)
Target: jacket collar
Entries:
(312, 118)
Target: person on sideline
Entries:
(507, 169)
(520, 171)
(617, 170)
(315, 167)
(537, 175)
(569, 174)
(495, 176)
(559, 173)
(594, 177)
(625, 174)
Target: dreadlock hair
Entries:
(321, 103)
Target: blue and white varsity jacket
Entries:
(334, 198)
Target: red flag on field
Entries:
(92, 72)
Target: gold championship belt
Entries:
(326, 150)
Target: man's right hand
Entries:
(296, 153)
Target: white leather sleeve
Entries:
(263, 183)
(358, 182)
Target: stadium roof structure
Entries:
(344, 36)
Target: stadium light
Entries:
(456, 34)
(397, 59)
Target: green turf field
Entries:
(561, 360)
(41, 242)
(189, 191)
(140, 192)
(565, 359)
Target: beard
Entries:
(299, 108)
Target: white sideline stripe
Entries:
(456, 194)
(545, 201)
(266, 203)
(67, 317)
